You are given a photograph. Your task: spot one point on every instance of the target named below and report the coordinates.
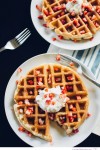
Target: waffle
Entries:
(71, 116)
(34, 120)
(69, 26)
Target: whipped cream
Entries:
(51, 100)
(76, 7)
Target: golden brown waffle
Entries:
(69, 26)
(48, 76)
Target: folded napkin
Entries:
(91, 59)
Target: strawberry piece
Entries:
(58, 57)
(20, 103)
(56, 69)
(82, 32)
(69, 88)
(71, 64)
(17, 81)
(54, 39)
(48, 102)
(40, 17)
(30, 82)
(71, 119)
(27, 102)
(53, 103)
(91, 38)
(60, 37)
(58, 79)
(45, 25)
(46, 12)
(74, 109)
(29, 134)
(78, 97)
(75, 131)
(21, 129)
(88, 115)
(69, 114)
(63, 90)
(51, 116)
(19, 70)
(72, 13)
(85, 20)
(40, 121)
(38, 8)
(63, 21)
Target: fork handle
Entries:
(90, 79)
(1, 49)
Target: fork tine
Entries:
(68, 60)
(22, 41)
(24, 36)
(18, 36)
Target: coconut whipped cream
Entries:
(51, 100)
(75, 6)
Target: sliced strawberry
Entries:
(60, 37)
(21, 129)
(58, 57)
(40, 17)
(45, 25)
(46, 12)
(38, 8)
(54, 39)
(78, 97)
(20, 103)
(19, 70)
(30, 82)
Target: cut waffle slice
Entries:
(69, 26)
(34, 120)
(75, 111)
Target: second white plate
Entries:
(49, 34)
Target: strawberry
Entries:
(46, 12)
(54, 39)
(19, 70)
(78, 97)
(58, 57)
(38, 8)
(40, 17)
(21, 129)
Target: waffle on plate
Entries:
(48, 76)
(70, 24)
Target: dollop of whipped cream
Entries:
(51, 100)
(75, 6)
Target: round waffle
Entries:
(35, 120)
(69, 26)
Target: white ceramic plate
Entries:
(58, 134)
(47, 35)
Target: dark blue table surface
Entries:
(14, 17)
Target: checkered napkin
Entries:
(90, 58)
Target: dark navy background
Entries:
(14, 17)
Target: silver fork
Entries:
(17, 41)
(80, 68)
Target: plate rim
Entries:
(58, 45)
(11, 126)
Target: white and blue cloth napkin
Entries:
(91, 59)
